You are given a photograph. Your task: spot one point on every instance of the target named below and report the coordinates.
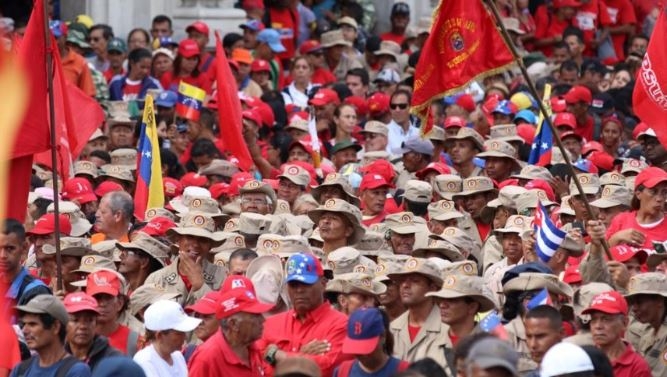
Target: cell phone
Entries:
(659, 247)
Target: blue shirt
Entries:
(79, 369)
(389, 369)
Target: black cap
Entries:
(602, 103)
(594, 65)
(400, 8)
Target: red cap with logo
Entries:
(623, 253)
(240, 300)
(107, 187)
(171, 187)
(359, 104)
(260, 65)
(454, 121)
(80, 302)
(372, 181)
(193, 179)
(253, 116)
(103, 281)
(381, 167)
(79, 190)
(610, 302)
(188, 48)
(650, 177)
(158, 226)
(219, 189)
(579, 93)
(378, 103)
(309, 46)
(572, 275)
(466, 102)
(206, 305)
(199, 27)
(558, 104)
(237, 181)
(237, 282)
(565, 119)
(47, 225)
(543, 185)
(325, 96)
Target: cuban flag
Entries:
(540, 151)
(190, 101)
(148, 192)
(542, 298)
(548, 236)
(492, 323)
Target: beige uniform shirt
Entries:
(492, 252)
(345, 64)
(171, 281)
(517, 338)
(431, 340)
(651, 345)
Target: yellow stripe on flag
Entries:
(191, 91)
(155, 191)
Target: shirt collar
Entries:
(314, 314)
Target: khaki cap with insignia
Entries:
(464, 267)
(529, 199)
(148, 294)
(447, 185)
(345, 259)
(71, 246)
(632, 165)
(565, 208)
(499, 149)
(648, 283)
(507, 197)
(92, 263)
(119, 114)
(420, 266)
(149, 245)
(198, 224)
(531, 281)
(590, 183)
(516, 224)
(338, 180)
(505, 132)
(125, 157)
(530, 172)
(253, 223)
(436, 133)
(476, 185)
(356, 282)
(219, 167)
(373, 244)
(230, 242)
(441, 247)
(572, 246)
(375, 127)
(296, 174)
(259, 187)
(206, 205)
(351, 212)
(297, 123)
(159, 212)
(458, 238)
(401, 223)
(267, 276)
(613, 196)
(470, 134)
(418, 191)
(282, 207)
(557, 156)
(458, 286)
(612, 178)
(86, 168)
(121, 172)
(443, 210)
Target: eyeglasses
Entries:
(401, 106)
(256, 201)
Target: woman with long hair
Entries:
(135, 84)
(186, 68)
(301, 87)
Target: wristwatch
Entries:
(270, 355)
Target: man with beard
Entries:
(82, 342)
(140, 258)
(113, 217)
(312, 326)
(466, 145)
(373, 192)
(192, 274)
(257, 197)
(232, 350)
(401, 232)
(339, 223)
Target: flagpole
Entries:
(543, 110)
(54, 155)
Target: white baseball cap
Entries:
(565, 358)
(168, 315)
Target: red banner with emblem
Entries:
(649, 99)
(464, 45)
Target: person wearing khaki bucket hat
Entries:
(140, 258)
(401, 232)
(418, 332)
(355, 290)
(335, 186)
(192, 273)
(339, 223)
(500, 160)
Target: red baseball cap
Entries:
(558, 104)
(252, 115)
(359, 104)
(198, 26)
(274, 183)
(47, 225)
(610, 302)
(237, 282)
(80, 302)
(591, 146)
(158, 226)
(566, 3)
(372, 181)
(572, 275)
(79, 190)
(565, 119)
(103, 281)
(526, 132)
(265, 112)
(381, 167)
(219, 189)
(188, 48)
(171, 187)
(543, 185)
(260, 65)
(508, 182)
(650, 177)
(206, 305)
(454, 121)
(237, 181)
(378, 103)
(107, 187)
(309, 46)
(193, 179)
(437, 167)
(570, 133)
(579, 93)
(240, 300)
(623, 253)
(466, 102)
(640, 128)
(602, 160)
(324, 96)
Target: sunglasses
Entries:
(401, 106)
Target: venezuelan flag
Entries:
(148, 193)
(190, 101)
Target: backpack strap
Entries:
(344, 368)
(597, 127)
(22, 368)
(65, 367)
(132, 338)
(207, 63)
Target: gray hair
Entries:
(123, 202)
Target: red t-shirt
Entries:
(621, 13)
(586, 130)
(286, 22)
(216, 358)
(413, 331)
(389, 36)
(109, 74)
(118, 339)
(131, 89)
(628, 220)
(548, 26)
(630, 364)
(483, 230)
(374, 220)
(323, 76)
(590, 17)
(202, 81)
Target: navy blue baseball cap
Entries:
(304, 268)
(167, 98)
(364, 329)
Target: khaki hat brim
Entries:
(448, 216)
(605, 203)
(408, 229)
(131, 246)
(197, 232)
(359, 230)
(475, 141)
(529, 283)
(337, 43)
(436, 279)
(635, 294)
(452, 256)
(473, 192)
(485, 303)
(350, 197)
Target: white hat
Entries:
(565, 358)
(168, 315)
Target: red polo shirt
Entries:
(630, 364)
(323, 323)
(216, 358)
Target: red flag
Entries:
(33, 136)
(649, 99)
(229, 109)
(72, 132)
(464, 45)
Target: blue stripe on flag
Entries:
(549, 237)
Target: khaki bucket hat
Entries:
(420, 266)
(351, 212)
(458, 286)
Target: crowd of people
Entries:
(356, 245)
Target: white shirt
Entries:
(155, 366)
(397, 136)
(296, 96)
